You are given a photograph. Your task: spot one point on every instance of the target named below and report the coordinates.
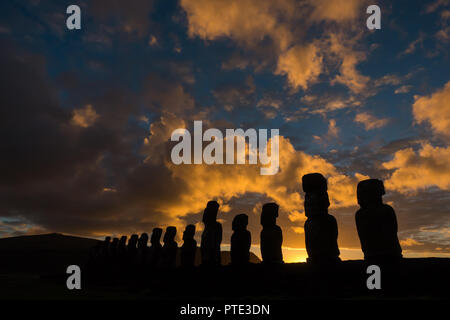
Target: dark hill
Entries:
(52, 253)
(43, 254)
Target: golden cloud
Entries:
(409, 242)
(285, 23)
(301, 64)
(84, 117)
(434, 109)
(349, 76)
(413, 171)
(369, 121)
(336, 10)
(245, 21)
(224, 182)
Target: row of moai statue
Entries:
(376, 225)
(376, 222)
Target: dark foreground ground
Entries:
(34, 268)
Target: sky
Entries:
(87, 115)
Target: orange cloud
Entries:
(336, 10)
(414, 171)
(409, 242)
(246, 21)
(84, 117)
(434, 109)
(224, 182)
(349, 75)
(284, 23)
(301, 64)
(369, 121)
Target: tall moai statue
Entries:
(169, 250)
(271, 235)
(189, 247)
(321, 231)
(105, 247)
(155, 250)
(241, 240)
(376, 223)
(122, 246)
(142, 249)
(112, 250)
(132, 247)
(211, 236)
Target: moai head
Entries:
(210, 213)
(240, 222)
(189, 232)
(370, 192)
(114, 242)
(142, 243)
(316, 195)
(133, 241)
(170, 234)
(156, 236)
(269, 214)
(107, 241)
(314, 183)
(122, 242)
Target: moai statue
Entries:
(271, 235)
(211, 236)
(169, 250)
(189, 247)
(122, 246)
(376, 223)
(156, 248)
(321, 231)
(105, 247)
(132, 247)
(142, 249)
(95, 254)
(112, 250)
(241, 240)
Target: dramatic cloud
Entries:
(414, 171)
(87, 116)
(246, 21)
(349, 75)
(250, 23)
(302, 65)
(434, 109)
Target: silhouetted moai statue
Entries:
(95, 255)
(122, 246)
(241, 240)
(156, 248)
(169, 250)
(211, 236)
(271, 235)
(189, 247)
(132, 247)
(112, 250)
(321, 231)
(376, 223)
(105, 247)
(142, 249)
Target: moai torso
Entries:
(271, 235)
(240, 240)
